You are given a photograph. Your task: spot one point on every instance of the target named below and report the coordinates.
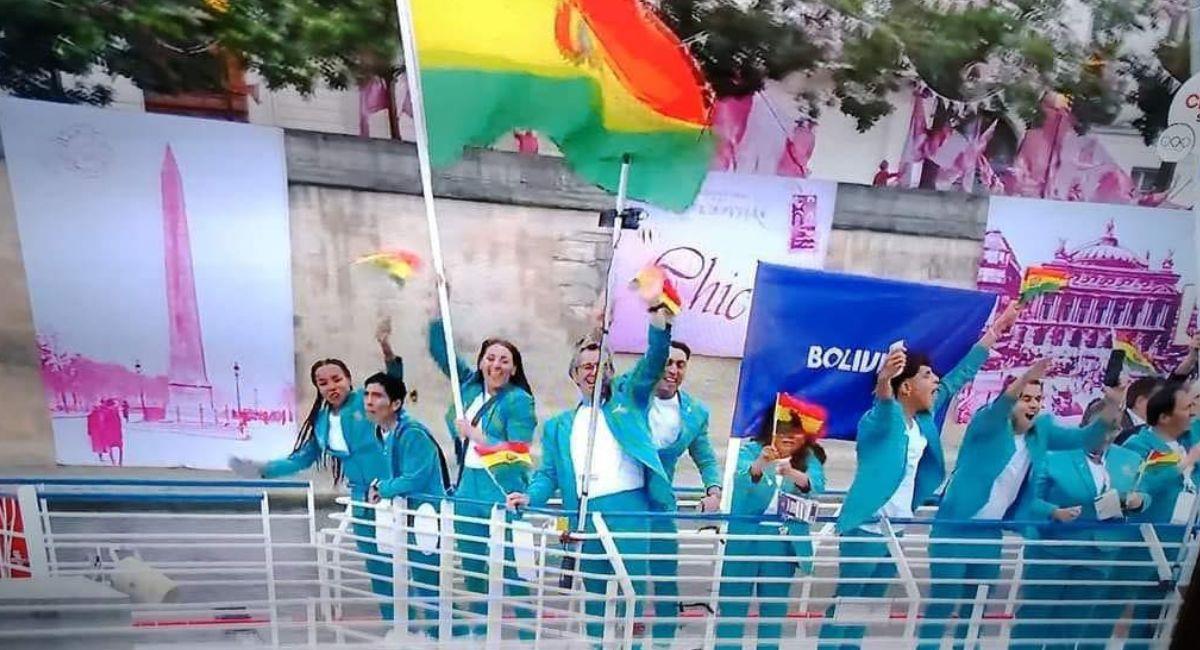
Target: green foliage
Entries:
(168, 46)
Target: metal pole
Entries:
(413, 67)
(594, 418)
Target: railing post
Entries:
(1014, 588)
(35, 534)
(906, 576)
(269, 559)
(446, 550)
(495, 591)
(400, 567)
(621, 576)
(714, 597)
(977, 607)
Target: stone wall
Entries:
(525, 260)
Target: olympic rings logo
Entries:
(1176, 142)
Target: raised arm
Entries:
(295, 462)
(649, 369)
(437, 349)
(969, 366)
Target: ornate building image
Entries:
(1112, 288)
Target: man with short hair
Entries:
(416, 470)
(1169, 479)
(627, 472)
(1134, 418)
(900, 463)
(678, 423)
(1004, 446)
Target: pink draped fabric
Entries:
(798, 150)
(960, 157)
(372, 98)
(527, 142)
(729, 125)
(915, 146)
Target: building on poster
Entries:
(1129, 268)
(158, 261)
(711, 253)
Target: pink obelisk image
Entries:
(189, 393)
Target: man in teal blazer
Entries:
(1067, 486)
(417, 471)
(1169, 452)
(900, 464)
(1004, 445)
(627, 473)
(678, 424)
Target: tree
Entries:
(177, 46)
(1000, 56)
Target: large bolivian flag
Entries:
(602, 78)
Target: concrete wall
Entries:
(524, 258)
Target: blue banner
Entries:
(821, 337)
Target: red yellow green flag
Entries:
(1134, 356)
(398, 264)
(653, 285)
(505, 453)
(1041, 280)
(811, 417)
(602, 78)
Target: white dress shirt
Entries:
(900, 505)
(613, 470)
(665, 423)
(337, 439)
(1008, 483)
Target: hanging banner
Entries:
(710, 253)
(822, 336)
(1130, 271)
(158, 259)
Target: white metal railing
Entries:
(241, 565)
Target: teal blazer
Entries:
(364, 461)
(414, 463)
(1064, 481)
(1163, 484)
(693, 438)
(628, 426)
(508, 417)
(882, 449)
(989, 444)
(750, 498)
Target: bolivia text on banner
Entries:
(712, 250)
(821, 337)
(602, 78)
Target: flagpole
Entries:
(569, 559)
(413, 70)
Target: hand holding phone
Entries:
(1112, 372)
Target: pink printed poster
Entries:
(1132, 273)
(158, 259)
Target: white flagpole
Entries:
(594, 418)
(413, 72)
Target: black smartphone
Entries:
(1112, 373)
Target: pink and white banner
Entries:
(711, 253)
(158, 261)
(1131, 270)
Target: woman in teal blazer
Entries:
(499, 403)
(354, 453)
(795, 465)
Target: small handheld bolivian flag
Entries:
(508, 463)
(810, 417)
(400, 265)
(653, 285)
(1041, 280)
(1135, 357)
(1160, 459)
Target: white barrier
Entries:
(240, 567)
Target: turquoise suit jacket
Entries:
(1064, 481)
(508, 417)
(882, 449)
(693, 414)
(750, 498)
(628, 425)
(415, 464)
(989, 444)
(1162, 484)
(362, 463)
